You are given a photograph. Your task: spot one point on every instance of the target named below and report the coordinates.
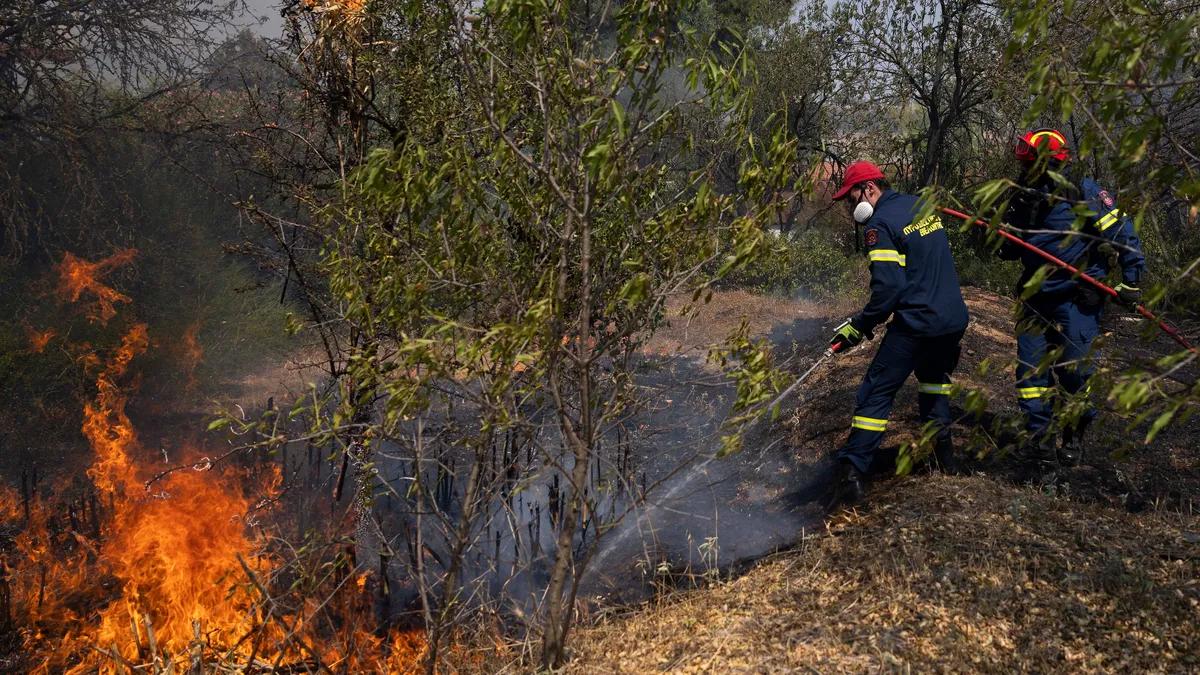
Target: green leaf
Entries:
(596, 156)
(618, 112)
(1034, 284)
(1160, 424)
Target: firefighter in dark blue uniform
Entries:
(913, 282)
(1082, 225)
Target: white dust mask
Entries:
(863, 212)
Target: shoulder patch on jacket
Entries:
(871, 237)
(1105, 198)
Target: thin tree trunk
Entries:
(450, 581)
(558, 616)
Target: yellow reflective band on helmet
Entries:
(1031, 392)
(884, 255)
(927, 388)
(1046, 134)
(869, 423)
(1111, 218)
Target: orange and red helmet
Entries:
(1028, 146)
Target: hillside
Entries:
(942, 575)
(1091, 570)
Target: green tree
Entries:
(508, 251)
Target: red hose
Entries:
(1058, 263)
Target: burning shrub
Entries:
(174, 570)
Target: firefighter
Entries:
(1062, 317)
(913, 281)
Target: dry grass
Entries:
(283, 378)
(978, 574)
(938, 575)
(713, 321)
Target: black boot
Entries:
(1040, 451)
(1071, 452)
(943, 452)
(852, 486)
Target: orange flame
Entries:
(175, 550)
(176, 553)
(172, 553)
(77, 276)
(193, 353)
(106, 425)
(44, 581)
(38, 339)
(169, 555)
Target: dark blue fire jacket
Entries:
(912, 272)
(1051, 227)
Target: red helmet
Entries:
(1056, 145)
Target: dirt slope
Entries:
(938, 575)
(1091, 570)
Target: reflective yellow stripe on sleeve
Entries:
(1109, 219)
(869, 423)
(1031, 392)
(930, 388)
(885, 255)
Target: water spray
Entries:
(1062, 265)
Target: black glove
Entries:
(1090, 296)
(1130, 296)
(1009, 250)
(1017, 219)
(846, 336)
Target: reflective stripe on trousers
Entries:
(932, 359)
(1049, 322)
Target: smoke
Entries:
(716, 512)
(660, 503)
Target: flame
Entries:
(193, 353)
(106, 425)
(176, 553)
(46, 582)
(10, 505)
(178, 556)
(170, 553)
(175, 550)
(77, 276)
(90, 359)
(38, 339)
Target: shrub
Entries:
(977, 265)
(814, 263)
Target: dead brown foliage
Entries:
(938, 575)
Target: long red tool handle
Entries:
(1055, 261)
